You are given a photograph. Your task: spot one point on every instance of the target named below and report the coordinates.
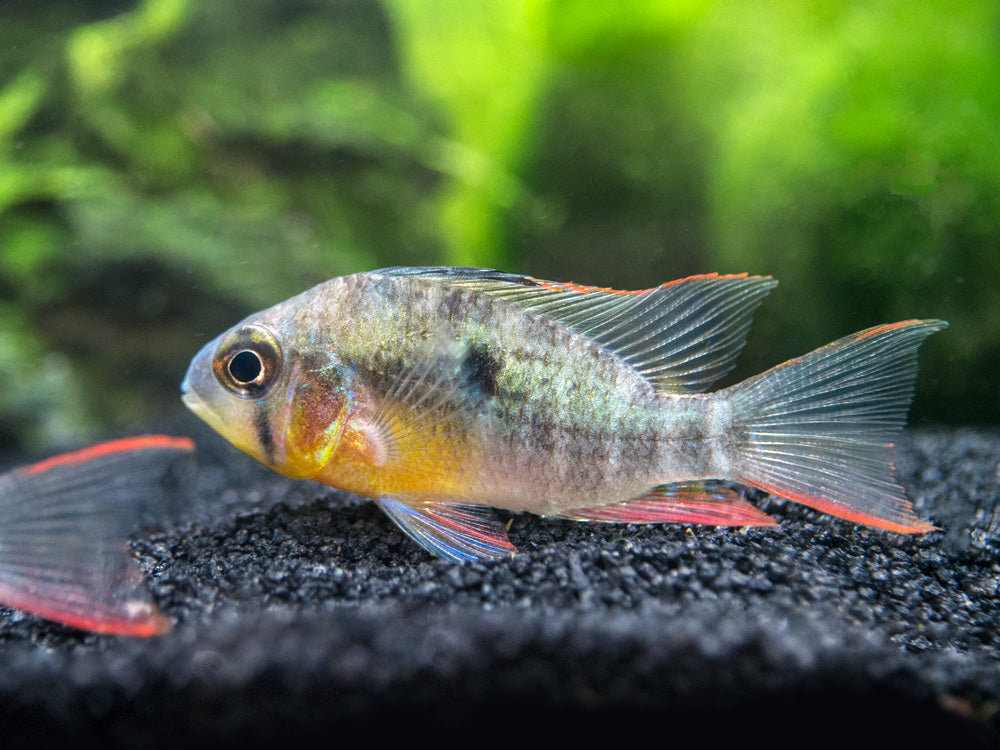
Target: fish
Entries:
(445, 393)
(64, 528)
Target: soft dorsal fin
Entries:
(682, 336)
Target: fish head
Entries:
(282, 402)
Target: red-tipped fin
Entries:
(64, 527)
(707, 503)
(819, 429)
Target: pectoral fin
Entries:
(422, 427)
(707, 502)
(453, 531)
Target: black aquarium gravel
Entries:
(302, 613)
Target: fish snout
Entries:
(199, 380)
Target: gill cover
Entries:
(320, 400)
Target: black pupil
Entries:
(246, 366)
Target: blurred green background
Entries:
(168, 166)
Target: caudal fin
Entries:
(819, 429)
(64, 527)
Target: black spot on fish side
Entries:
(480, 368)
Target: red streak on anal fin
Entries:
(721, 508)
(140, 442)
(151, 625)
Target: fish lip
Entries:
(195, 374)
(195, 403)
(188, 395)
(191, 399)
(201, 407)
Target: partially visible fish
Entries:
(64, 527)
(439, 392)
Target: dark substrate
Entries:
(303, 613)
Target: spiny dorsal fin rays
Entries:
(682, 336)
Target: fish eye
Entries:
(248, 361)
(246, 367)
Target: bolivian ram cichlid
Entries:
(439, 392)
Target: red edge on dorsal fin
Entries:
(697, 276)
(885, 328)
(826, 506)
(569, 286)
(140, 442)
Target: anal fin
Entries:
(704, 502)
(454, 531)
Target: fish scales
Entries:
(442, 392)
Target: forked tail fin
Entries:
(819, 429)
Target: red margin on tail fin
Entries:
(819, 428)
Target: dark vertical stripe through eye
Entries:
(264, 435)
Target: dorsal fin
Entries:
(682, 336)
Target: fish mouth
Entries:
(197, 403)
(202, 408)
(195, 381)
(207, 401)
(191, 399)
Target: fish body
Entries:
(443, 392)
